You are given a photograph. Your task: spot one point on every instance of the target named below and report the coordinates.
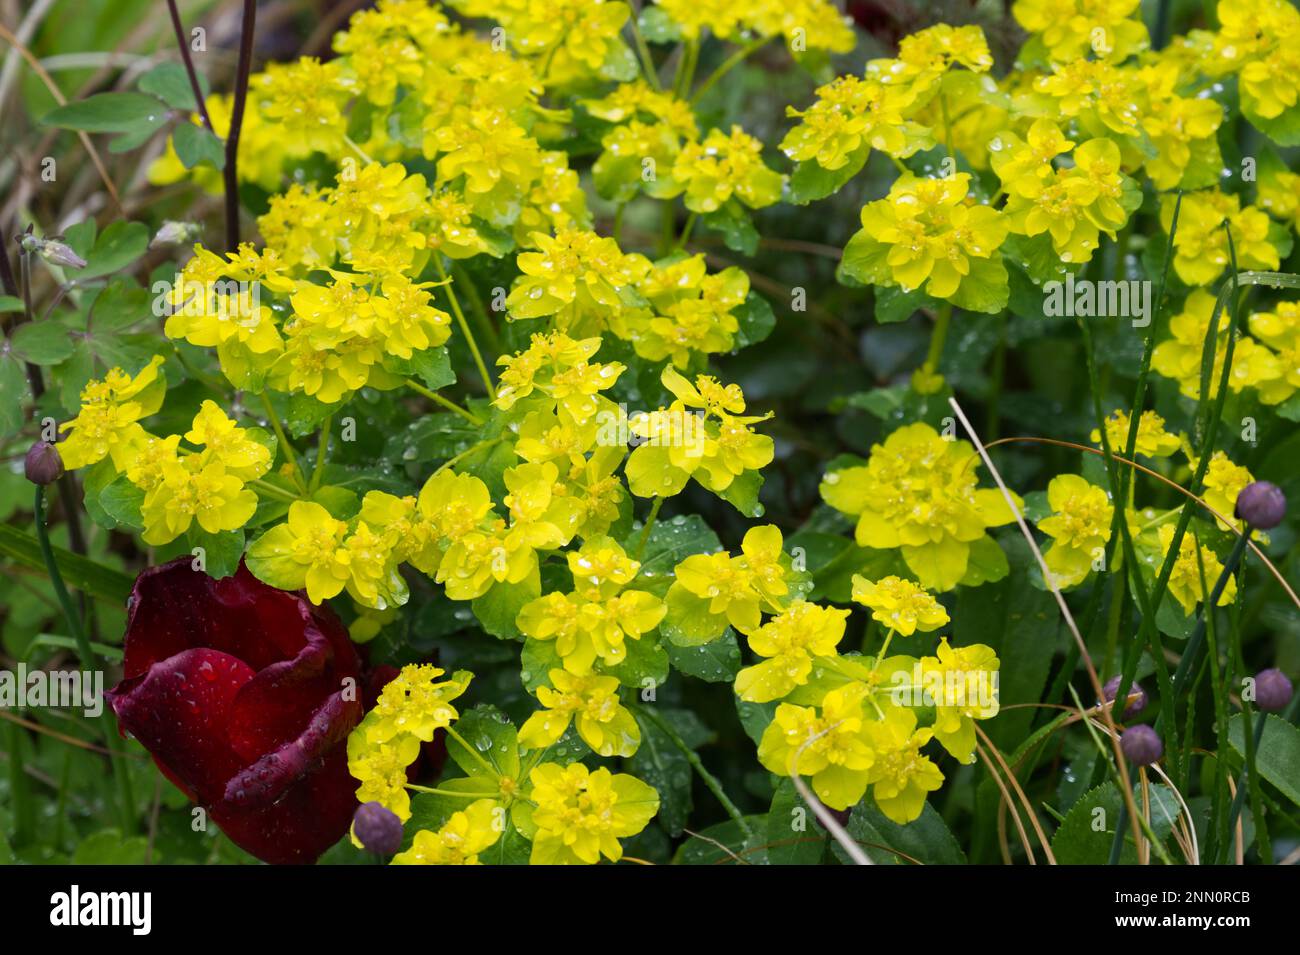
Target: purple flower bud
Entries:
(377, 828)
(1261, 504)
(1137, 697)
(1272, 690)
(44, 465)
(61, 254)
(1141, 745)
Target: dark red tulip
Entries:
(245, 696)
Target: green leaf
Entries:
(117, 247)
(121, 500)
(895, 305)
(134, 116)
(715, 662)
(645, 666)
(742, 493)
(221, 551)
(537, 659)
(120, 305)
(79, 573)
(794, 836)
(108, 113)
(108, 847)
(11, 303)
(657, 27)
(660, 763)
(195, 144)
(725, 844)
(493, 738)
(433, 365)
(756, 320)
(1278, 756)
(735, 226)
(810, 182)
(170, 82)
(1086, 834)
(672, 541)
(498, 609)
(926, 838)
(41, 343)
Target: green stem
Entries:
(476, 306)
(271, 491)
(450, 792)
(686, 230)
(884, 647)
(465, 329)
(1181, 681)
(445, 402)
(474, 753)
(88, 662)
(322, 450)
(729, 64)
(1239, 798)
(643, 52)
(21, 806)
(938, 337)
(285, 446)
(649, 524)
(710, 781)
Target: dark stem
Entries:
(247, 29)
(1243, 781)
(189, 65)
(1193, 647)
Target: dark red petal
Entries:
(178, 711)
(174, 607)
(268, 777)
(238, 688)
(312, 815)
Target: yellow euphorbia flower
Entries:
(108, 423)
(917, 492)
(1185, 579)
(929, 232)
(899, 774)
(1072, 29)
(1201, 243)
(1153, 440)
(721, 166)
(307, 550)
(962, 684)
(474, 829)
(381, 769)
(1080, 526)
(833, 747)
(414, 703)
(581, 814)
(899, 604)
(195, 488)
(790, 641)
(590, 701)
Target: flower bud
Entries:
(377, 828)
(44, 465)
(57, 253)
(1272, 690)
(1261, 504)
(1137, 697)
(173, 233)
(1141, 745)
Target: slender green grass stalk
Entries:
(125, 799)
